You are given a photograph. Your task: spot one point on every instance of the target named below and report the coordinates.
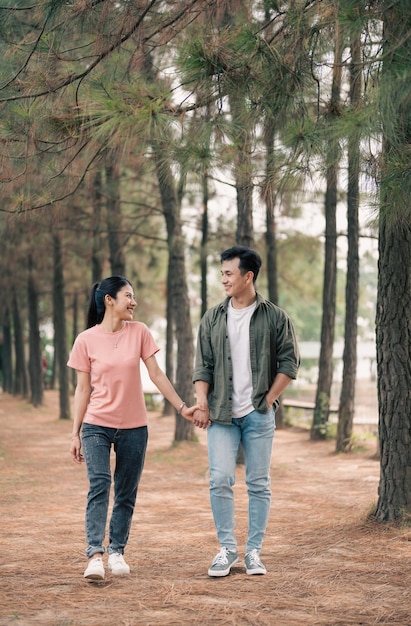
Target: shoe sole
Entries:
(119, 573)
(94, 577)
(224, 572)
(254, 572)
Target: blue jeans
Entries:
(256, 433)
(130, 448)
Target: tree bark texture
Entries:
(35, 360)
(114, 220)
(347, 397)
(178, 292)
(7, 353)
(242, 173)
(204, 245)
(20, 383)
(325, 366)
(169, 361)
(74, 333)
(59, 320)
(394, 373)
(325, 374)
(393, 319)
(96, 247)
(271, 231)
(271, 234)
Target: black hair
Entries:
(108, 286)
(250, 260)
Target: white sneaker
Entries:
(117, 564)
(95, 569)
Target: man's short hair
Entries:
(250, 260)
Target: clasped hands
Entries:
(198, 415)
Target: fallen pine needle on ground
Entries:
(327, 563)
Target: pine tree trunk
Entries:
(393, 319)
(204, 245)
(7, 352)
(96, 247)
(169, 361)
(177, 285)
(394, 373)
(20, 378)
(74, 333)
(271, 235)
(59, 320)
(325, 373)
(243, 174)
(347, 396)
(35, 360)
(114, 220)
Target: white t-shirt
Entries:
(238, 326)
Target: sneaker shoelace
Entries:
(254, 558)
(221, 558)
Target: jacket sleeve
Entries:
(288, 353)
(204, 360)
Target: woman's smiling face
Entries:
(124, 303)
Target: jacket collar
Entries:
(224, 304)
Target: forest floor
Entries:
(327, 563)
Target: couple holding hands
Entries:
(246, 356)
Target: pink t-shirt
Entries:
(113, 361)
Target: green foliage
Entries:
(273, 64)
(302, 136)
(392, 103)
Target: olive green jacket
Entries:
(273, 349)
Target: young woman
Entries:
(109, 410)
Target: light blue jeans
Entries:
(256, 432)
(130, 448)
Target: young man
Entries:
(246, 356)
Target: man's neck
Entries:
(244, 301)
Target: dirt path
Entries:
(326, 565)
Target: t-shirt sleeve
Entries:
(79, 358)
(148, 344)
